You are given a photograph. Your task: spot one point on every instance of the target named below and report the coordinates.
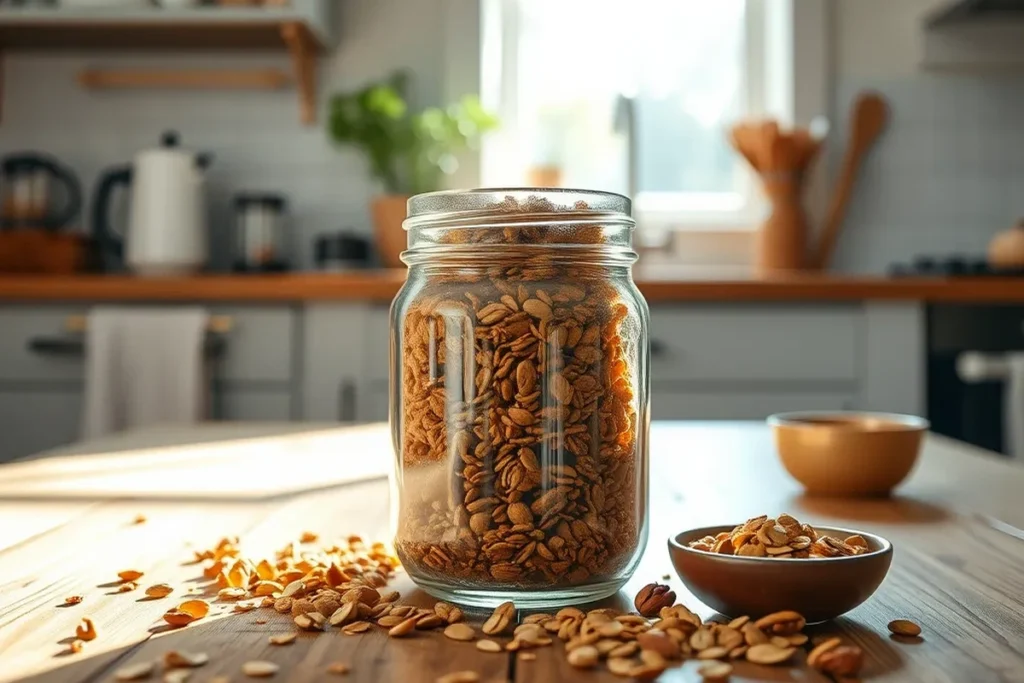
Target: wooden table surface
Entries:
(956, 527)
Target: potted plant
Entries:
(408, 153)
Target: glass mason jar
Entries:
(519, 397)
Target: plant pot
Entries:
(388, 212)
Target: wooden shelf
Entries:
(303, 30)
(203, 28)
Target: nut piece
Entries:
(127, 586)
(159, 590)
(652, 598)
(500, 619)
(766, 653)
(178, 618)
(653, 640)
(134, 672)
(460, 631)
(355, 627)
(75, 646)
(583, 657)
(404, 628)
(85, 630)
(283, 638)
(845, 660)
(338, 668)
(488, 646)
(197, 608)
(904, 627)
(73, 600)
(781, 623)
(459, 677)
(174, 659)
(130, 575)
(715, 671)
(450, 613)
(260, 669)
(821, 648)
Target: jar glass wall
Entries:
(519, 398)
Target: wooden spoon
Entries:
(870, 114)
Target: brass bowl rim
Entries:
(850, 420)
(885, 546)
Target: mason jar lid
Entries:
(543, 203)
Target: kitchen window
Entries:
(630, 97)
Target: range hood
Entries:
(970, 11)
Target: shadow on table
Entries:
(895, 509)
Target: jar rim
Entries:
(445, 205)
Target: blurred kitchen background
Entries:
(228, 142)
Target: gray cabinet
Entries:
(254, 376)
(37, 418)
(333, 364)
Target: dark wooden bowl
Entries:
(818, 588)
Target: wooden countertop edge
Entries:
(381, 286)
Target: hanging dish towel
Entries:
(144, 366)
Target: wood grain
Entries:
(955, 572)
(657, 285)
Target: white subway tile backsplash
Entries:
(947, 174)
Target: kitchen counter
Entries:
(658, 284)
(66, 528)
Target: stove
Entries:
(951, 266)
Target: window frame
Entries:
(785, 46)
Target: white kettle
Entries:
(166, 233)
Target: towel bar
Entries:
(219, 324)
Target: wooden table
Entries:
(956, 527)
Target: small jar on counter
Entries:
(261, 240)
(520, 397)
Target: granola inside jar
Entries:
(519, 397)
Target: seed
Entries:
(702, 639)
(459, 677)
(308, 537)
(738, 652)
(626, 649)
(843, 661)
(716, 652)
(428, 621)
(134, 672)
(231, 593)
(460, 631)
(177, 618)
(537, 308)
(739, 622)
(821, 648)
(127, 587)
(73, 600)
(403, 629)
(86, 630)
(488, 646)
(766, 653)
(283, 638)
(338, 668)
(345, 614)
(652, 640)
(355, 627)
(904, 627)
(294, 589)
(130, 575)
(139, 519)
(715, 671)
(159, 590)
(620, 666)
(499, 620)
(584, 657)
(779, 641)
(177, 658)
(75, 646)
(260, 669)
(197, 608)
